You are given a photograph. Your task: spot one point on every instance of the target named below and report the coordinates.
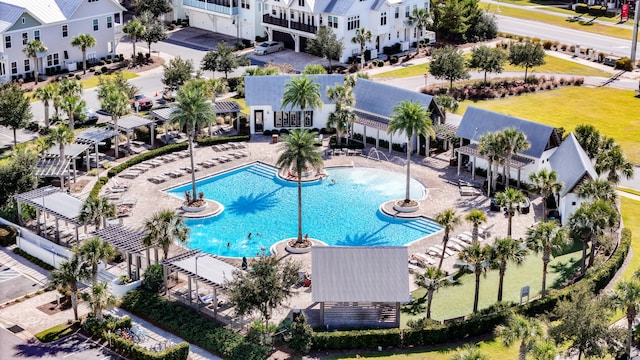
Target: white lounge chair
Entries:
(422, 259)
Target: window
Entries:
(245, 4)
(23, 20)
(95, 24)
(53, 59)
(332, 21)
(301, 3)
(27, 65)
(383, 18)
(109, 22)
(3, 70)
(398, 35)
(14, 67)
(407, 11)
(36, 35)
(110, 47)
(25, 38)
(116, 18)
(389, 36)
(353, 22)
(293, 118)
(397, 14)
(65, 30)
(7, 42)
(93, 1)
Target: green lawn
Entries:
(93, 81)
(571, 106)
(554, 65)
(631, 218)
(549, 7)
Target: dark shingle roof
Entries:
(478, 122)
(571, 163)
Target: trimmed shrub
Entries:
(598, 10)
(33, 259)
(624, 64)
(7, 235)
(222, 140)
(582, 8)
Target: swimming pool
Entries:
(343, 213)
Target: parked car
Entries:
(524, 206)
(144, 102)
(269, 47)
(169, 95)
(86, 116)
(494, 206)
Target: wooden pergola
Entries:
(71, 153)
(128, 124)
(94, 136)
(128, 241)
(221, 107)
(53, 167)
(472, 150)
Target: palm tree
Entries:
(93, 251)
(95, 209)
(70, 87)
(597, 189)
(613, 162)
(489, 147)
(72, 105)
(477, 259)
(588, 223)
(83, 41)
(514, 141)
(476, 217)
(510, 198)
(69, 274)
(99, 298)
(62, 136)
(342, 118)
(470, 352)
(431, 280)
(192, 111)
(45, 94)
(163, 229)
(420, 18)
(545, 350)
(546, 237)
(299, 153)
(410, 118)
(448, 219)
(135, 29)
(363, 36)
(304, 93)
(217, 86)
(519, 328)
(32, 49)
(545, 183)
(505, 250)
(114, 101)
(627, 298)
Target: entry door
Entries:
(258, 121)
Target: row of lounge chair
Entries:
(454, 245)
(173, 174)
(229, 146)
(217, 160)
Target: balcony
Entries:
(268, 19)
(220, 9)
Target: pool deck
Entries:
(434, 172)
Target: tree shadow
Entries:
(253, 203)
(566, 270)
(362, 239)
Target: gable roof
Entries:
(477, 122)
(9, 14)
(360, 274)
(268, 90)
(379, 98)
(334, 7)
(571, 163)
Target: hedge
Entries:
(7, 235)
(222, 140)
(192, 327)
(137, 352)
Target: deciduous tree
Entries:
(155, 7)
(326, 45)
(177, 72)
(489, 60)
(526, 54)
(154, 29)
(448, 63)
(15, 109)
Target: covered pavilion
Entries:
(52, 168)
(221, 107)
(517, 162)
(71, 153)
(129, 123)
(128, 241)
(95, 136)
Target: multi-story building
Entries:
(54, 23)
(294, 22)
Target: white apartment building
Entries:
(54, 23)
(294, 22)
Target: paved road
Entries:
(74, 348)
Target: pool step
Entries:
(262, 170)
(423, 225)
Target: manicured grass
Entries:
(571, 106)
(242, 103)
(563, 10)
(554, 65)
(93, 82)
(455, 301)
(562, 21)
(57, 332)
(631, 217)
(629, 190)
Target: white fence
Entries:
(39, 247)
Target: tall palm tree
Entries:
(476, 217)
(93, 251)
(114, 101)
(363, 36)
(545, 183)
(45, 94)
(62, 136)
(448, 219)
(470, 352)
(546, 237)
(514, 141)
(597, 189)
(489, 147)
(83, 41)
(192, 111)
(431, 280)
(70, 87)
(72, 105)
(135, 29)
(216, 86)
(56, 98)
(523, 330)
(410, 118)
(95, 209)
(99, 298)
(505, 250)
(478, 258)
(342, 118)
(545, 350)
(32, 49)
(299, 153)
(627, 298)
(69, 274)
(588, 223)
(163, 229)
(302, 92)
(420, 18)
(613, 162)
(510, 198)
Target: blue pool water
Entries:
(343, 213)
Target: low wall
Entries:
(37, 246)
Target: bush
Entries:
(393, 60)
(547, 44)
(7, 235)
(582, 8)
(624, 64)
(97, 73)
(33, 259)
(153, 280)
(598, 10)
(222, 140)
